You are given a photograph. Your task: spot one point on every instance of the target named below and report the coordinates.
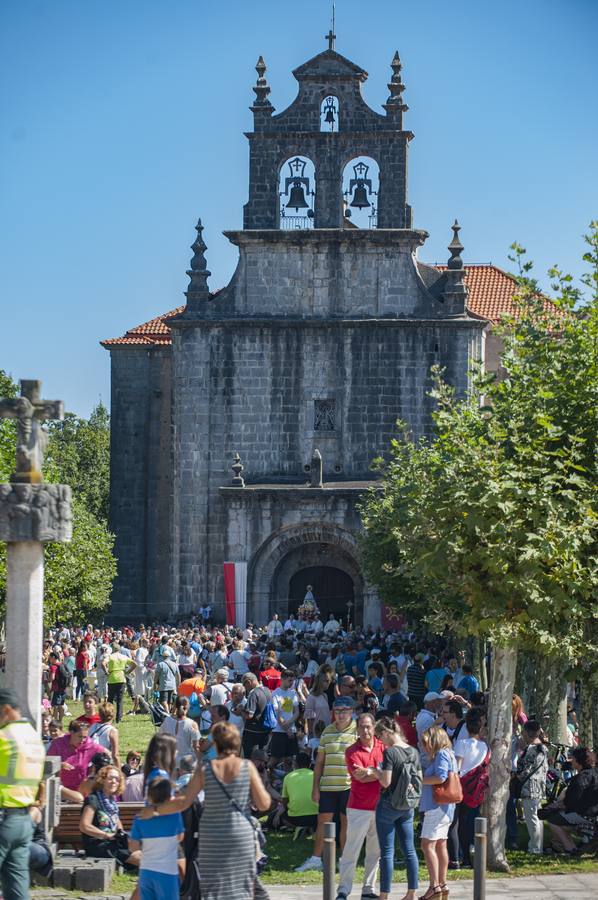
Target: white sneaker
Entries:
(314, 863)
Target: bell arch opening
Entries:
(297, 193)
(360, 187)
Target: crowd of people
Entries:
(300, 723)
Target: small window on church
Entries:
(325, 415)
(329, 113)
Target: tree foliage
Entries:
(491, 528)
(78, 575)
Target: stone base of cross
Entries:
(31, 514)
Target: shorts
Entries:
(166, 697)
(334, 802)
(58, 698)
(158, 886)
(436, 825)
(283, 745)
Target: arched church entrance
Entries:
(332, 589)
(325, 556)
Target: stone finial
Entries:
(261, 87)
(316, 469)
(237, 468)
(396, 86)
(455, 292)
(198, 273)
(30, 410)
(456, 248)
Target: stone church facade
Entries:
(301, 365)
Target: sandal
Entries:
(435, 892)
(445, 891)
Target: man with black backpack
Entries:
(258, 714)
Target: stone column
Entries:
(31, 514)
(24, 624)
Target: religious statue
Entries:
(29, 411)
(309, 608)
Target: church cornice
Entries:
(380, 236)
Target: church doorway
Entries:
(332, 588)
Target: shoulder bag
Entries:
(449, 791)
(258, 834)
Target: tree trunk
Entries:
(504, 664)
(594, 703)
(586, 731)
(537, 687)
(556, 726)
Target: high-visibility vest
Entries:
(21, 764)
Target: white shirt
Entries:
(331, 627)
(316, 626)
(185, 731)
(220, 694)
(274, 628)
(470, 751)
(238, 661)
(285, 705)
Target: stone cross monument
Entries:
(31, 514)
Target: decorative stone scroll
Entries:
(35, 512)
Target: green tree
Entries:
(79, 449)
(491, 528)
(78, 575)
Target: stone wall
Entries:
(251, 386)
(140, 480)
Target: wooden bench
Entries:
(67, 834)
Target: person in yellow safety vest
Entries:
(21, 769)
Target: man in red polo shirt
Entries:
(366, 753)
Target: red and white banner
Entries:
(235, 593)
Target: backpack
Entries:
(408, 789)
(63, 677)
(268, 719)
(475, 783)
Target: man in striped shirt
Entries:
(332, 782)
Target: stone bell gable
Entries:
(301, 365)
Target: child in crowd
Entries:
(158, 838)
(314, 742)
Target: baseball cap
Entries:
(432, 695)
(9, 698)
(343, 703)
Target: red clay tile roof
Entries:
(491, 294)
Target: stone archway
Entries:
(295, 548)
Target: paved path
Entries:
(547, 887)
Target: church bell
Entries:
(360, 197)
(297, 197)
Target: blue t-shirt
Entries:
(434, 678)
(361, 656)
(160, 841)
(469, 684)
(443, 763)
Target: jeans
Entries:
(116, 693)
(512, 830)
(361, 826)
(535, 828)
(466, 817)
(16, 831)
(81, 684)
(388, 822)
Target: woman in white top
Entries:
(317, 708)
(140, 673)
(104, 733)
(184, 730)
(471, 752)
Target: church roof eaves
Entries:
(491, 293)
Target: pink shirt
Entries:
(78, 757)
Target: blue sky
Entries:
(121, 121)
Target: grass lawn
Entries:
(285, 854)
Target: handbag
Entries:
(258, 834)
(475, 783)
(450, 791)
